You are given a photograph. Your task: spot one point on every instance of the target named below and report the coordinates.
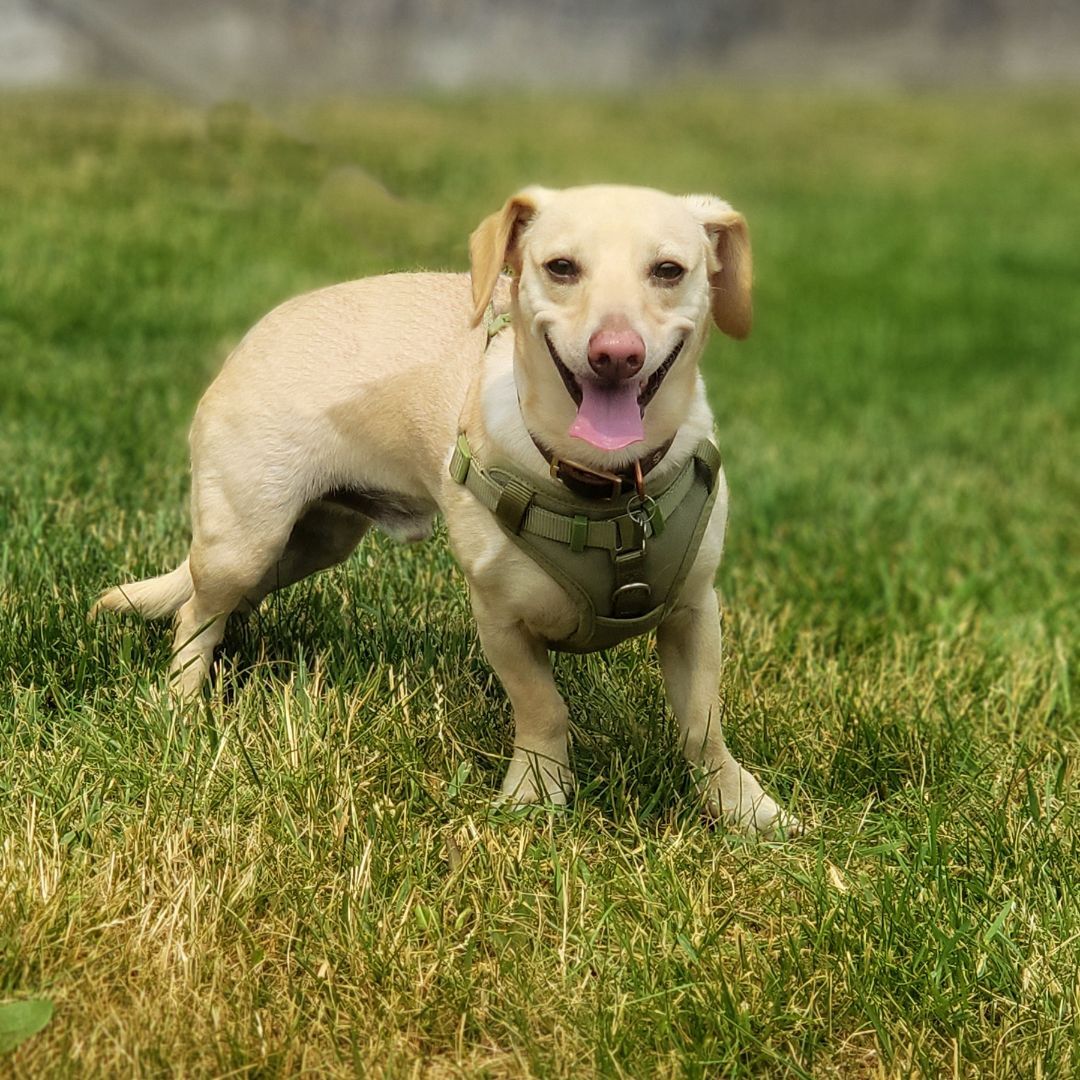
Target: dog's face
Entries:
(613, 292)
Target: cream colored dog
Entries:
(340, 410)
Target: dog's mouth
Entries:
(610, 413)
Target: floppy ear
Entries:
(731, 267)
(491, 245)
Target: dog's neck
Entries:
(602, 483)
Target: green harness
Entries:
(623, 560)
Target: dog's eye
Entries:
(668, 271)
(562, 269)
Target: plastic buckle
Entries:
(513, 504)
(579, 533)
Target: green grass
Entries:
(307, 875)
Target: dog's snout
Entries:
(616, 354)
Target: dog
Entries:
(511, 403)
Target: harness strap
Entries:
(511, 500)
(495, 323)
(630, 597)
(707, 458)
(621, 564)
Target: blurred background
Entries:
(209, 49)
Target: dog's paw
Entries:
(166, 695)
(762, 818)
(532, 779)
(734, 796)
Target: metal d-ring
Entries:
(641, 510)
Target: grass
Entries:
(307, 875)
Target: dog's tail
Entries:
(152, 598)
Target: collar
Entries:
(598, 483)
(576, 521)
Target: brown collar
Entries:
(596, 483)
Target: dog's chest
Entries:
(619, 566)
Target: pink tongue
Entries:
(609, 416)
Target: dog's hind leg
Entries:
(323, 536)
(224, 574)
(239, 534)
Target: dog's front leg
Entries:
(689, 646)
(539, 769)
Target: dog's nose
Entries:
(616, 354)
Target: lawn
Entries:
(305, 874)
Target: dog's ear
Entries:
(493, 245)
(731, 267)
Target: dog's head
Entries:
(613, 289)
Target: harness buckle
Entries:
(631, 595)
